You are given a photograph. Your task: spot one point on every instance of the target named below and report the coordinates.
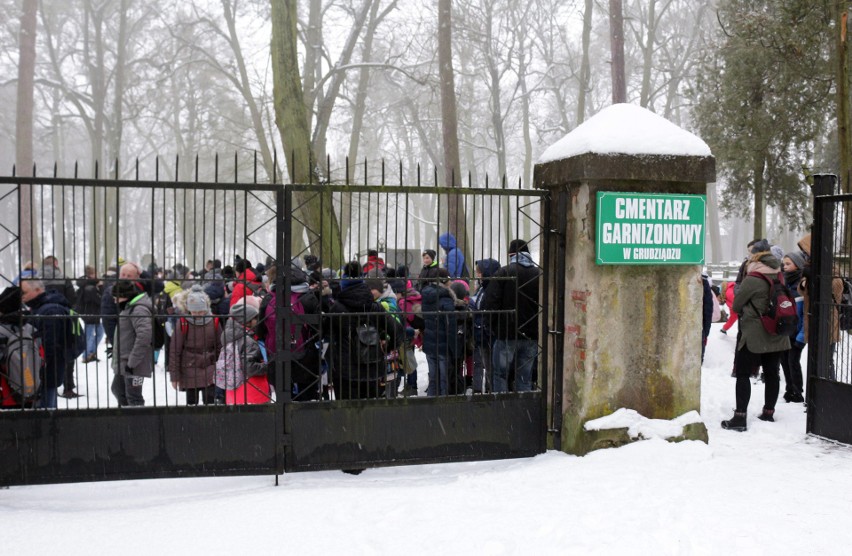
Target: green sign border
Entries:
(601, 195)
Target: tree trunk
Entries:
(713, 223)
(616, 33)
(585, 67)
(843, 124)
(449, 122)
(28, 242)
(759, 200)
(317, 211)
(648, 55)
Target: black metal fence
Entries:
(347, 388)
(829, 386)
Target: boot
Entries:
(767, 415)
(736, 423)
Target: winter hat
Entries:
(798, 259)
(10, 300)
(460, 289)
(244, 310)
(443, 275)
(26, 275)
(375, 284)
(518, 246)
(777, 251)
(197, 300)
(327, 274)
(488, 267)
(759, 246)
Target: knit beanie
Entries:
(777, 252)
(798, 259)
(245, 310)
(759, 246)
(518, 246)
(197, 300)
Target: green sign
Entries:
(648, 228)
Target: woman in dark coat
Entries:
(88, 304)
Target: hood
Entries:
(433, 294)
(488, 267)
(388, 294)
(522, 259)
(765, 263)
(49, 297)
(248, 275)
(805, 245)
(447, 241)
(233, 331)
(356, 298)
(215, 290)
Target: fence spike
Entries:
(347, 170)
(216, 169)
(196, 167)
(76, 168)
(255, 166)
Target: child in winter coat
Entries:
(241, 368)
(195, 346)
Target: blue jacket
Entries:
(455, 257)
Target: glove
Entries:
(128, 371)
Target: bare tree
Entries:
(616, 30)
(24, 124)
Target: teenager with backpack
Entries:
(195, 344)
(20, 354)
(757, 347)
(359, 331)
(57, 335)
(791, 362)
(241, 369)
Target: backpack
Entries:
(845, 308)
(21, 362)
(184, 325)
(780, 318)
(78, 332)
(158, 326)
(230, 373)
(369, 346)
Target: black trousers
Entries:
(746, 364)
(791, 362)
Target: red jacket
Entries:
(240, 289)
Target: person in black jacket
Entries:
(439, 334)
(56, 335)
(515, 287)
(707, 313)
(358, 330)
(89, 305)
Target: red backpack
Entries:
(780, 318)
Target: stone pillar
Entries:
(631, 336)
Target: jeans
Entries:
(47, 398)
(94, 335)
(523, 352)
(437, 374)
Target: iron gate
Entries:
(96, 221)
(829, 386)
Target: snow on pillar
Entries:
(632, 294)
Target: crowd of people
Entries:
(352, 333)
(766, 275)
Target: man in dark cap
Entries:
(514, 287)
(133, 350)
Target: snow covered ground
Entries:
(771, 490)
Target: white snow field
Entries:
(771, 490)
